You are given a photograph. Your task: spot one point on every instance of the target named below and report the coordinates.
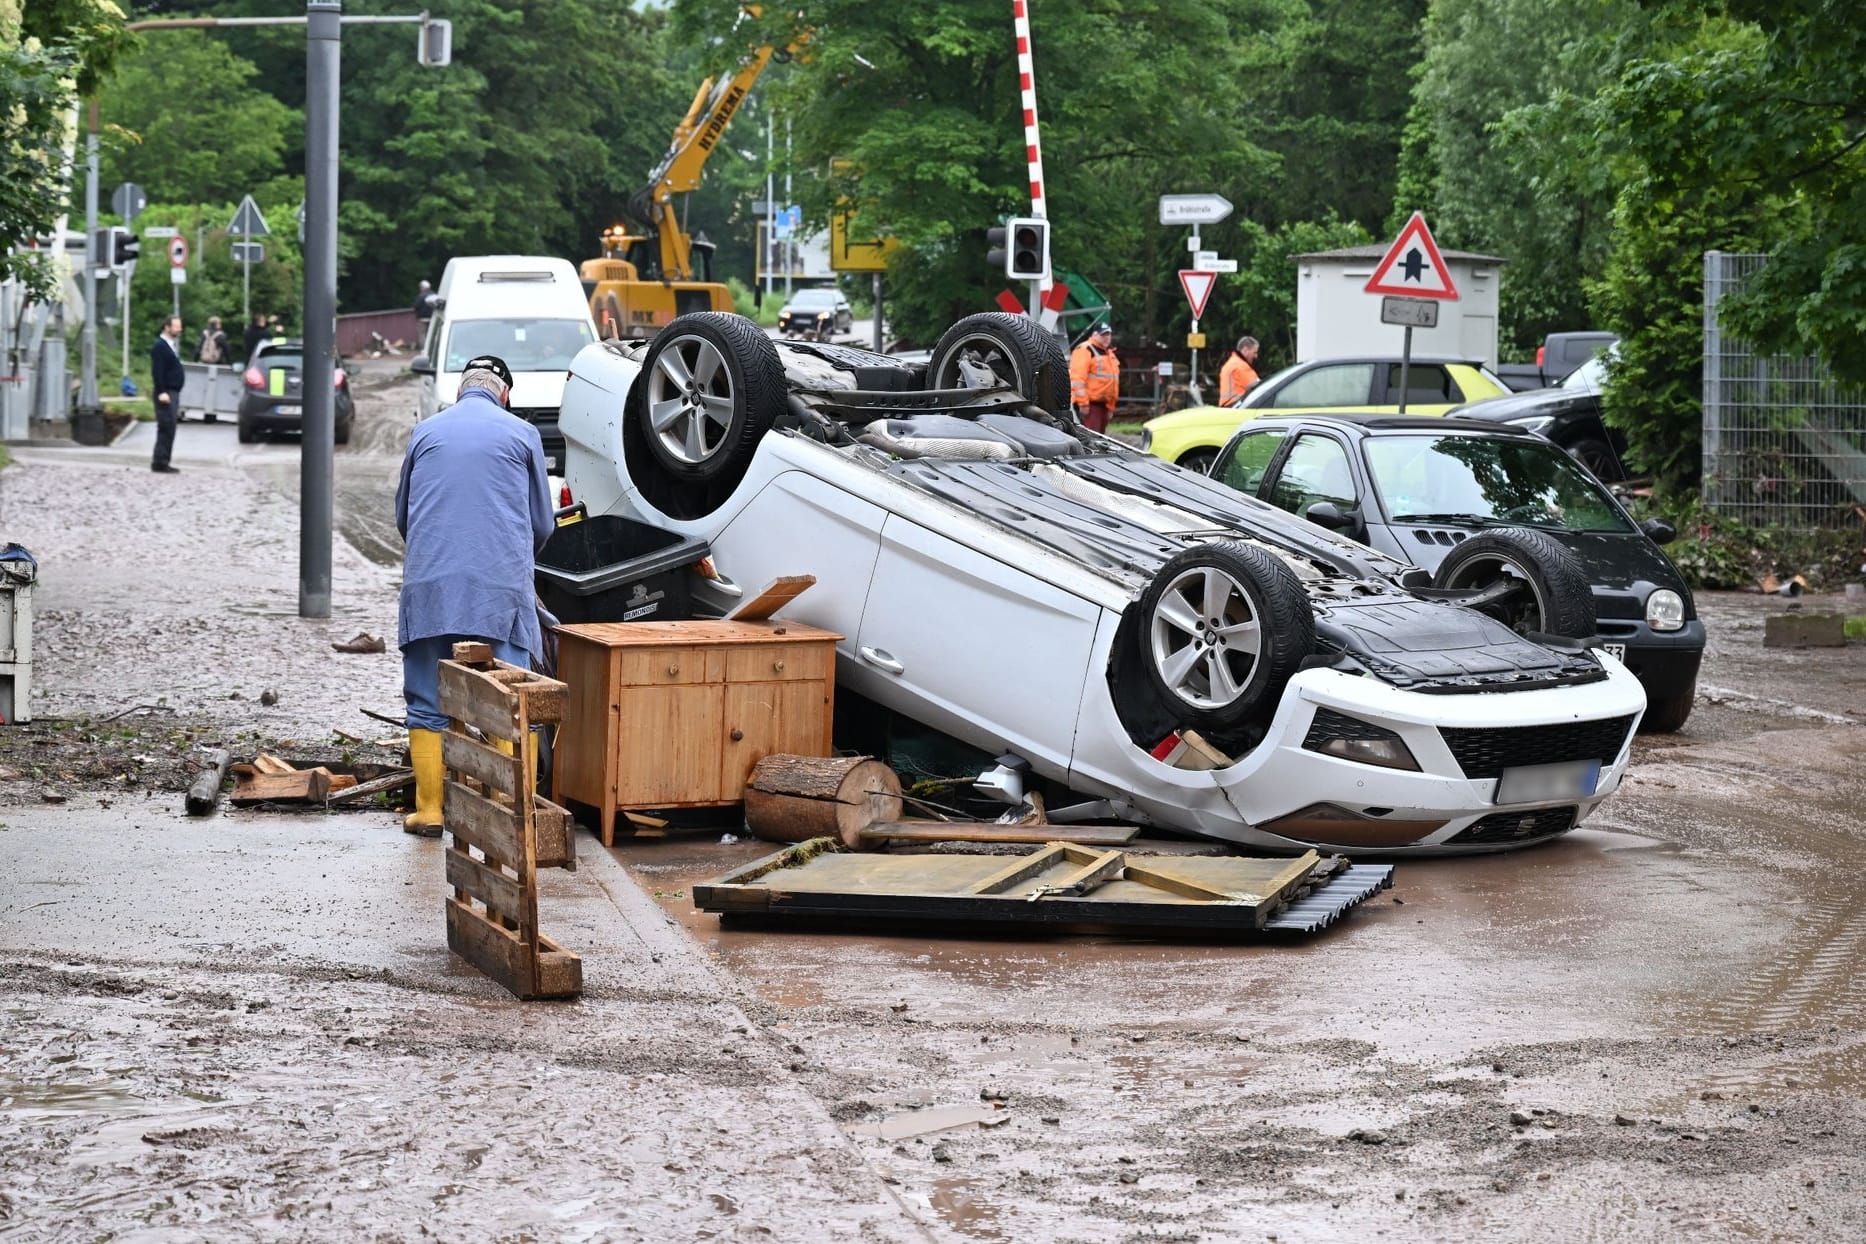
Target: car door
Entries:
(1245, 462)
(1315, 468)
(974, 646)
(1429, 390)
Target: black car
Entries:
(273, 397)
(1429, 489)
(1568, 414)
(819, 313)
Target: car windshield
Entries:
(813, 300)
(1487, 479)
(525, 345)
(290, 360)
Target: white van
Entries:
(531, 311)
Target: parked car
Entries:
(818, 313)
(1448, 495)
(1192, 438)
(272, 396)
(1556, 359)
(1024, 586)
(1568, 414)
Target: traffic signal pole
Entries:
(323, 51)
(1027, 88)
(88, 405)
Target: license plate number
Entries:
(1616, 651)
(1571, 779)
(284, 408)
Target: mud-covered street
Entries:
(250, 1027)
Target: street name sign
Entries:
(1208, 261)
(248, 221)
(161, 231)
(1412, 266)
(1193, 209)
(1198, 287)
(1412, 312)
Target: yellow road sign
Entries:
(1195, 341)
(848, 254)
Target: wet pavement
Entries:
(250, 1027)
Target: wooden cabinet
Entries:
(675, 714)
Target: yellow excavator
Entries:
(643, 280)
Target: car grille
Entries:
(1485, 752)
(1517, 826)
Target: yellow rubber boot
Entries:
(424, 755)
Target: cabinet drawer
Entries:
(779, 662)
(662, 667)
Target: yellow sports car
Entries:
(1434, 384)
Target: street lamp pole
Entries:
(317, 461)
(88, 405)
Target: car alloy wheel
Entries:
(690, 399)
(977, 362)
(1206, 637)
(1503, 590)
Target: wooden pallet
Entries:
(498, 824)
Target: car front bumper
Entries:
(1665, 662)
(1285, 797)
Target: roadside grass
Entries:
(1125, 427)
(6, 460)
(1856, 626)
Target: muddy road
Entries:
(250, 1028)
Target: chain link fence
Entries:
(1783, 443)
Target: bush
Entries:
(1714, 552)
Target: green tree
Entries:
(194, 129)
(1260, 298)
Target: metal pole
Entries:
(770, 204)
(878, 345)
(87, 350)
(246, 281)
(789, 246)
(1405, 367)
(1192, 381)
(323, 50)
(129, 278)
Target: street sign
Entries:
(128, 201)
(1208, 261)
(1412, 266)
(178, 276)
(249, 252)
(847, 254)
(1193, 209)
(248, 222)
(161, 231)
(1198, 287)
(1412, 312)
(178, 253)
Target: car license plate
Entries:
(1571, 779)
(1616, 651)
(285, 408)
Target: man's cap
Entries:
(492, 363)
(1099, 329)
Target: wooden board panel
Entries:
(489, 885)
(478, 821)
(555, 834)
(667, 747)
(495, 951)
(770, 718)
(584, 750)
(468, 696)
(772, 597)
(971, 831)
(700, 631)
(497, 770)
(773, 663)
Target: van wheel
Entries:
(1525, 580)
(1222, 628)
(993, 349)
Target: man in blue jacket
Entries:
(165, 379)
(474, 508)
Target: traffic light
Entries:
(124, 247)
(1022, 247)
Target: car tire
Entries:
(247, 434)
(341, 434)
(1598, 457)
(1667, 716)
(1554, 596)
(689, 458)
(1217, 678)
(1019, 354)
(1198, 461)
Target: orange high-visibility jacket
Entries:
(1094, 376)
(1235, 378)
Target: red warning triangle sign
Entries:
(1198, 287)
(1412, 266)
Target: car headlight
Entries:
(1536, 423)
(1665, 610)
(1350, 738)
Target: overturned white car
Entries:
(1028, 587)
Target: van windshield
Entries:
(525, 345)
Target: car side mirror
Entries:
(1660, 530)
(1328, 514)
(421, 365)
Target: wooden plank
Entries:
(1180, 886)
(469, 696)
(555, 834)
(1291, 876)
(679, 633)
(375, 786)
(1020, 870)
(498, 770)
(546, 701)
(560, 971)
(297, 786)
(479, 822)
(772, 597)
(1099, 867)
(266, 762)
(989, 831)
(491, 886)
(495, 951)
(472, 652)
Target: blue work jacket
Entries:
(474, 508)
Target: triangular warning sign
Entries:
(1198, 287)
(1412, 266)
(248, 222)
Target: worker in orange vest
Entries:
(1095, 379)
(1239, 372)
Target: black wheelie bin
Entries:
(614, 569)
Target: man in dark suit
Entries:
(165, 380)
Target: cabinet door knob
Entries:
(673, 670)
(777, 667)
(738, 736)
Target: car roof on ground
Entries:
(1378, 421)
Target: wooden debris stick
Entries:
(990, 831)
(797, 798)
(772, 597)
(266, 762)
(205, 793)
(1020, 870)
(375, 786)
(297, 786)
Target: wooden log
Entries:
(797, 798)
(375, 786)
(205, 793)
(988, 831)
(298, 786)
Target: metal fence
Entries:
(1783, 443)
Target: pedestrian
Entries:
(255, 333)
(1095, 379)
(213, 348)
(473, 508)
(166, 378)
(1239, 372)
(424, 304)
